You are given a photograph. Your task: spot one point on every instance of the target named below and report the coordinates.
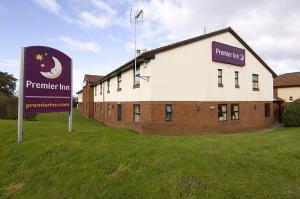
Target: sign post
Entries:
(45, 83)
(21, 97)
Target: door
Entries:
(119, 112)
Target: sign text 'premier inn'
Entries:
(228, 54)
(47, 80)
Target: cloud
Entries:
(84, 46)
(272, 29)
(115, 39)
(103, 6)
(50, 5)
(91, 20)
(9, 63)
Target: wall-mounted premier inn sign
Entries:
(228, 54)
(45, 83)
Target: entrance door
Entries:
(119, 112)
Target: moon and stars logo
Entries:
(46, 63)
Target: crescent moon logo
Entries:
(55, 72)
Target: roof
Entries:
(92, 78)
(151, 54)
(287, 80)
(79, 92)
(278, 99)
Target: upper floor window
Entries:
(137, 75)
(95, 90)
(101, 89)
(222, 112)
(168, 113)
(267, 109)
(220, 84)
(255, 82)
(108, 86)
(119, 82)
(137, 113)
(235, 112)
(236, 79)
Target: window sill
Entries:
(255, 89)
(220, 85)
(136, 86)
(237, 86)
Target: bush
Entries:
(9, 108)
(291, 115)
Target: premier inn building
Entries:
(207, 84)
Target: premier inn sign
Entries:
(45, 83)
(47, 80)
(228, 54)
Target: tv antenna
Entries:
(136, 18)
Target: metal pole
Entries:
(21, 98)
(71, 110)
(134, 50)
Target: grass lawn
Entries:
(96, 161)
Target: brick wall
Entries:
(187, 117)
(86, 107)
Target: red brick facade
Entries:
(187, 117)
(86, 107)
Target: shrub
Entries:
(291, 115)
(9, 108)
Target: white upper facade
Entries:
(187, 73)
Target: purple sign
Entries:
(228, 54)
(47, 84)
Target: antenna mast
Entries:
(136, 19)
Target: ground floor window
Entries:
(137, 113)
(222, 112)
(168, 113)
(235, 112)
(108, 109)
(267, 109)
(119, 112)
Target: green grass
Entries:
(96, 161)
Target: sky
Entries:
(98, 35)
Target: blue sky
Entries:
(98, 36)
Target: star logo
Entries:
(39, 57)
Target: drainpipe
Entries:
(103, 98)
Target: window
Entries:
(255, 82)
(137, 113)
(95, 90)
(168, 113)
(119, 82)
(220, 84)
(235, 112)
(222, 112)
(119, 112)
(267, 110)
(101, 89)
(236, 79)
(108, 86)
(137, 75)
(108, 110)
